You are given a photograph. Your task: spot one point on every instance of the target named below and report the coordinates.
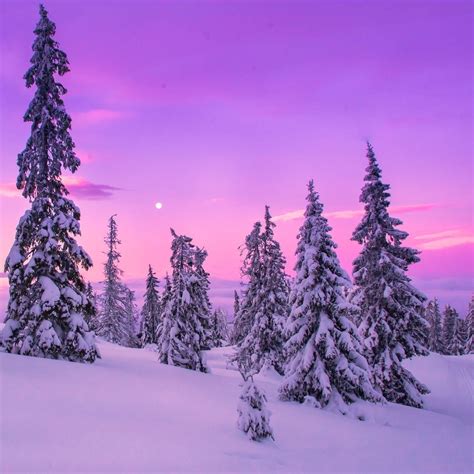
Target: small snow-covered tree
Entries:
(450, 316)
(263, 344)
(48, 300)
(324, 354)
(220, 332)
(151, 309)
(181, 332)
(392, 325)
(470, 328)
(435, 337)
(114, 317)
(254, 417)
(251, 271)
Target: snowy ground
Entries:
(129, 413)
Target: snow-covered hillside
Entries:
(129, 413)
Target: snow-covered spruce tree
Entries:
(180, 338)
(164, 308)
(233, 336)
(454, 333)
(324, 353)
(133, 317)
(462, 335)
(251, 271)
(48, 299)
(236, 303)
(449, 328)
(254, 417)
(200, 298)
(264, 342)
(470, 328)
(151, 309)
(433, 315)
(392, 325)
(91, 316)
(114, 320)
(220, 334)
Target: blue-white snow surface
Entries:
(128, 413)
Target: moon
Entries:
(158, 205)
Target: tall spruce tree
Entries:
(323, 350)
(133, 317)
(164, 316)
(91, 317)
(114, 317)
(181, 333)
(48, 298)
(392, 324)
(263, 345)
(463, 335)
(449, 328)
(435, 337)
(151, 309)
(220, 331)
(470, 328)
(233, 336)
(236, 304)
(251, 272)
(200, 297)
(453, 332)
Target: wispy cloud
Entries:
(412, 208)
(345, 214)
(84, 189)
(352, 213)
(77, 186)
(447, 242)
(445, 239)
(439, 235)
(95, 116)
(9, 190)
(289, 216)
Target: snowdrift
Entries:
(129, 413)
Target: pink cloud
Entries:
(439, 235)
(447, 242)
(412, 208)
(351, 213)
(345, 214)
(84, 189)
(9, 190)
(289, 216)
(445, 239)
(95, 116)
(76, 185)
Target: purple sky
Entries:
(218, 108)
